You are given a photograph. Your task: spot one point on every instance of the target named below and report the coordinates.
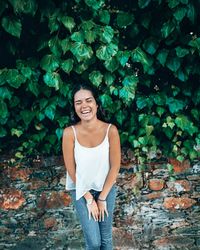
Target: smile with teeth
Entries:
(85, 112)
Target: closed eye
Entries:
(78, 102)
(89, 99)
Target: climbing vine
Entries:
(142, 56)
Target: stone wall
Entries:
(153, 210)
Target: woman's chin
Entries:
(87, 118)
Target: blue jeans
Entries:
(98, 234)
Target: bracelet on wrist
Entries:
(99, 199)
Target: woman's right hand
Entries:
(93, 210)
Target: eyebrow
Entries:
(85, 99)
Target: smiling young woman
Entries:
(92, 155)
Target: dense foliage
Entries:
(143, 56)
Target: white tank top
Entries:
(92, 166)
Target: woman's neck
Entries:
(90, 125)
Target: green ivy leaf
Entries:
(195, 43)
(81, 67)
(87, 25)
(109, 78)
(143, 101)
(96, 78)
(168, 132)
(27, 116)
(77, 36)
(170, 122)
(143, 140)
(53, 24)
(26, 72)
(49, 63)
(5, 93)
(139, 55)
(181, 52)
(195, 113)
(55, 46)
(173, 3)
(160, 111)
(149, 130)
(111, 64)
(90, 36)
(143, 3)
(59, 133)
(181, 75)
(191, 14)
(114, 90)
(12, 26)
(50, 111)
(173, 63)
(65, 45)
(43, 103)
(3, 109)
(33, 87)
(63, 121)
(95, 4)
(124, 19)
(52, 79)
(14, 78)
(121, 116)
(27, 7)
(68, 22)
(107, 34)
(180, 13)
(159, 99)
(175, 105)
(104, 16)
(167, 28)
(162, 56)
(105, 52)
(123, 57)
(170, 167)
(3, 132)
(65, 89)
(17, 132)
(150, 45)
(3, 76)
(67, 65)
(14, 101)
(106, 102)
(127, 92)
(81, 51)
(185, 124)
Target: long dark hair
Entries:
(77, 87)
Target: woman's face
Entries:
(85, 105)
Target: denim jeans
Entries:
(98, 235)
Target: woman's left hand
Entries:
(102, 205)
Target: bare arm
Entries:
(68, 152)
(115, 160)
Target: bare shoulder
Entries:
(113, 131)
(68, 133)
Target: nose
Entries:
(84, 104)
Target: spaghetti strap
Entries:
(108, 129)
(74, 130)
